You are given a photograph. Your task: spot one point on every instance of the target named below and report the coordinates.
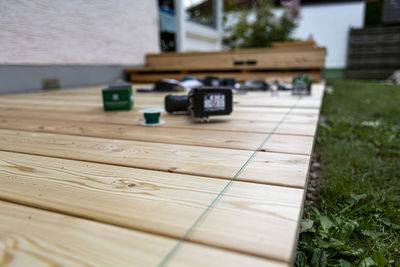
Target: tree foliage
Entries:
(254, 24)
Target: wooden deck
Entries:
(79, 186)
(281, 62)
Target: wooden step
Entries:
(283, 62)
(149, 75)
(262, 58)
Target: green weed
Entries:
(356, 219)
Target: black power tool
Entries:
(202, 102)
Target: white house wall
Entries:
(329, 25)
(106, 32)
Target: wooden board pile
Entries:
(284, 61)
(80, 186)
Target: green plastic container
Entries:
(118, 97)
(151, 116)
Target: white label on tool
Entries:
(214, 82)
(115, 97)
(214, 102)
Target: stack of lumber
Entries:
(80, 186)
(374, 53)
(284, 61)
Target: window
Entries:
(200, 11)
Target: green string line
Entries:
(180, 241)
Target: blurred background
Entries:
(48, 44)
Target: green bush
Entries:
(257, 25)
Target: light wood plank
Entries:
(294, 44)
(133, 117)
(254, 216)
(290, 103)
(172, 121)
(96, 96)
(277, 110)
(66, 105)
(94, 92)
(40, 112)
(247, 126)
(263, 99)
(235, 140)
(32, 237)
(266, 75)
(233, 51)
(267, 167)
(285, 99)
(270, 58)
(259, 110)
(161, 203)
(279, 102)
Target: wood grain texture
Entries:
(157, 202)
(268, 58)
(141, 99)
(145, 75)
(59, 151)
(243, 51)
(93, 94)
(219, 124)
(130, 117)
(144, 100)
(294, 44)
(97, 106)
(283, 169)
(93, 101)
(33, 237)
(235, 140)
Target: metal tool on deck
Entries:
(202, 102)
(302, 85)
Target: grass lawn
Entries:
(356, 218)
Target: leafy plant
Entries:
(256, 25)
(356, 220)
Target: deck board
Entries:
(126, 194)
(130, 117)
(222, 139)
(283, 169)
(110, 184)
(34, 237)
(173, 121)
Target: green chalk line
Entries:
(180, 241)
